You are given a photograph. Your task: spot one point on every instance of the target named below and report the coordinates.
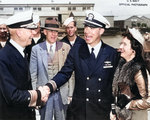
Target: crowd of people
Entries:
(74, 78)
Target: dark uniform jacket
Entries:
(92, 95)
(78, 40)
(1, 46)
(14, 85)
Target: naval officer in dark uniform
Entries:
(94, 64)
(17, 99)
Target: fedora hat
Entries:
(51, 23)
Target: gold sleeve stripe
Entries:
(53, 84)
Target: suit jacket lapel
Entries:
(43, 54)
(59, 50)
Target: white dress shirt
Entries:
(18, 47)
(53, 46)
(96, 48)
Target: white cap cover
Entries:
(21, 20)
(94, 19)
(68, 20)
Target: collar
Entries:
(3, 43)
(53, 46)
(18, 47)
(96, 48)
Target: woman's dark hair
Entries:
(135, 44)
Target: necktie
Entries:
(27, 65)
(92, 58)
(25, 53)
(51, 51)
(92, 55)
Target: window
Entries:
(1, 9)
(20, 9)
(57, 8)
(84, 8)
(16, 9)
(52, 8)
(39, 9)
(69, 8)
(34, 8)
(74, 8)
(88, 8)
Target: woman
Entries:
(130, 84)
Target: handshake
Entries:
(45, 91)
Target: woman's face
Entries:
(126, 51)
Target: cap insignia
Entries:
(90, 16)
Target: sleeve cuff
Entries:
(38, 102)
(52, 86)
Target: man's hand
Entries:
(44, 93)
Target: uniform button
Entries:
(88, 78)
(87, 89)
(87, 99)
(99, 79)
(99, 90)
(28, 98)
(99, 100)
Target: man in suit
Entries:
(37, 38)
(47, 58)
(17, 99)
(3, 33)
(70, 27)
(94, 64)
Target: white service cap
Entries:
(94, 19)
(21, 20)
(68, 20)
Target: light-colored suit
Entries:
(39, 67)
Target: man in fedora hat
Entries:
(17, 99)
(46, 60)
(94, 64)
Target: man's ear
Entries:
(44, 31)
(101, 30)
(75, 28)
(18, 32)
